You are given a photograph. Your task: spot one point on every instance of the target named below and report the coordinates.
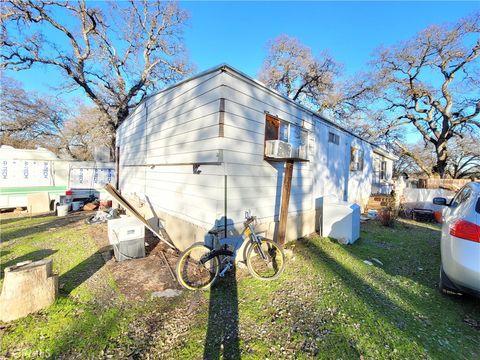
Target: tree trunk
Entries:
(121, 115)
(442, 157)
(112, 147)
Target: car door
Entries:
(454, 211)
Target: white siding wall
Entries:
(254, 184)
(175, 127)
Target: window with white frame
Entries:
(295, 135)
(383, 170)
(356, 159)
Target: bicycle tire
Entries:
(191, 257)
(269, 246)
(91, 220)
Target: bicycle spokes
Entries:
(197, 270)
(266, 259)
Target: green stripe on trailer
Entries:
(11, 190)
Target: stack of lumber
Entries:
(376, 202)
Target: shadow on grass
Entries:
(398, 316)
(222, 339)
(4, 252)
(414, 252)
(34, 256)
(5, 219)
(51, 225)
(81, 272)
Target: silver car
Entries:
(460, 244)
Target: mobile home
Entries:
(212, 147)
(33, 171)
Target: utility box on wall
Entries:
(341, 221)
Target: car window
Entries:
(477, 207)
(461, 196)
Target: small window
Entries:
(295, 135)
(383, 170)
(333, 138)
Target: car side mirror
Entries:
(440, 201)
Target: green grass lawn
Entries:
(328, 304)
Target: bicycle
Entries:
(200, 265)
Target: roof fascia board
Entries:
(241, 75)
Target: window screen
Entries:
(333, 138)
(284, 131)
(383, 170)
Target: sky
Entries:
(237, 32)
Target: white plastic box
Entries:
(341, 221)
(127, 236)
(124, 229)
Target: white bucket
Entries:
(62, 210)
(76, 205)
(372, 214)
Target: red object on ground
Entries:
(438, 216)
(106, 203)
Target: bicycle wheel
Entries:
(269, 268)
(193, 272)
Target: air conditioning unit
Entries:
(278, 149)
(300, 152)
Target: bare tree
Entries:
(431, 83)
(87, 131)
(28, 120)
(316, 82)
(117, 53)
(291, 69)
(414, 159)
(464, 158)
(420, 158)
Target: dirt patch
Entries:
(137, 279)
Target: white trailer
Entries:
(193, 157)
(31, 171)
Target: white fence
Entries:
(422, 198)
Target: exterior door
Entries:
(337, 168)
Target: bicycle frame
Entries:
(236, 243)
(224, 253)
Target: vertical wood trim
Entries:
(287, 186)
(221, 118)
(225, 204)
(117, 168)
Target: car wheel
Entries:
(445, 285)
